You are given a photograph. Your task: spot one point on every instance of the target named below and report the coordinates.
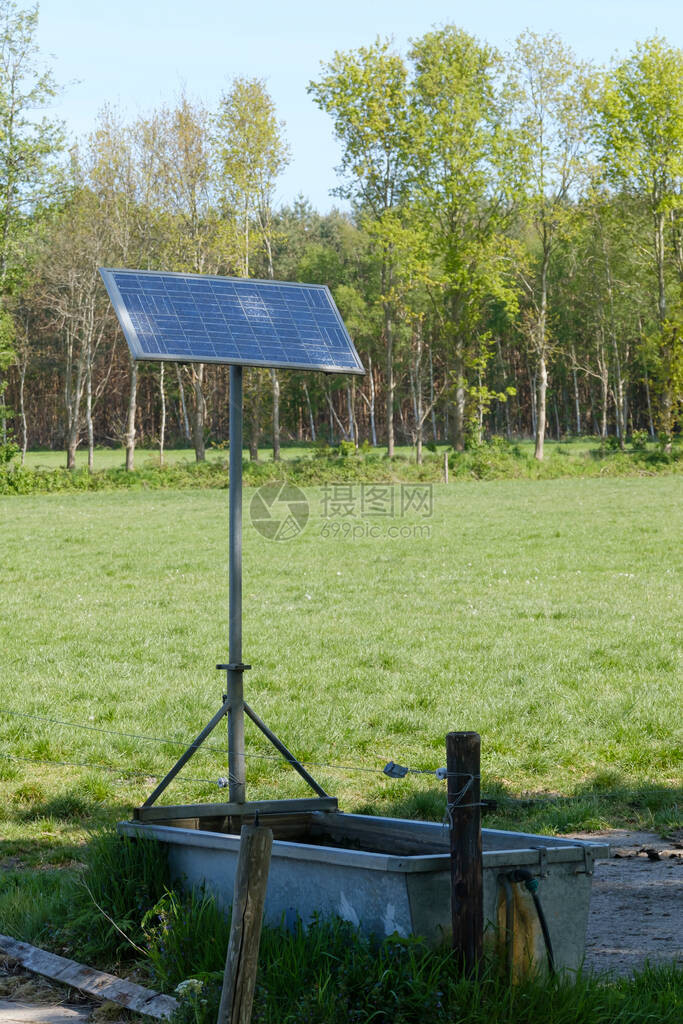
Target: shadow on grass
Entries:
(598, 803)
(38, 831)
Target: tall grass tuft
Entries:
(186, 937)
(32, 905)
(121, 880)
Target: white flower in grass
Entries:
(188, 987)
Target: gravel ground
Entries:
(636, 912)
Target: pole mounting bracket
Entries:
(234, 666)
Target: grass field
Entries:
(543, 614)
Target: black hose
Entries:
(546, 933)
(531, 884)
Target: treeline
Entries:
(512, 263)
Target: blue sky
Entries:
(139, 53)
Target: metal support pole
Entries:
(236, 766)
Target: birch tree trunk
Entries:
(419, 431)
(541, 390)
(311, 421)
(541, 349)
(650, 421)
(130, 422)
(88, 416)
(459, 405)
(162, 425)
(353, 433)
(198, 424)
(370, 403)
(73, 395)
(431, 396)
(386, 283)
(255, 417)
(603, 368)
(183, 405)
(666, 396)
(390, 386)
(23, 363)
(577, 405)
(276, 414)
(480, 410)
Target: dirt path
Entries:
(27, 998)
(636, 912)
(30, 1013)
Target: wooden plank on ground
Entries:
(101, 986)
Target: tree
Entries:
(186, 189)
(554, 108)
(119, 181)
(640, 129)
(74, 245)
(29, 173)
(366, 93)
(465, 183)
(251, 153)
(29, 176)
(335, 251)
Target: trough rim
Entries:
(555, 850)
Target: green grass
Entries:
(543, 614)
(115, 458)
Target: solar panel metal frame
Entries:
(138, 352)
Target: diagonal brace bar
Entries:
(188, 754)
(287, 754)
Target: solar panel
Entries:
(198, 318)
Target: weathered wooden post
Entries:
(241, 962)
(463, 757)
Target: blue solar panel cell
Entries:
(188, 317)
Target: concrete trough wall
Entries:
(383, 893)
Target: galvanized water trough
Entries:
(385, 875)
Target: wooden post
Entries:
(445, 467)
(464, 811)
(241, 962)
